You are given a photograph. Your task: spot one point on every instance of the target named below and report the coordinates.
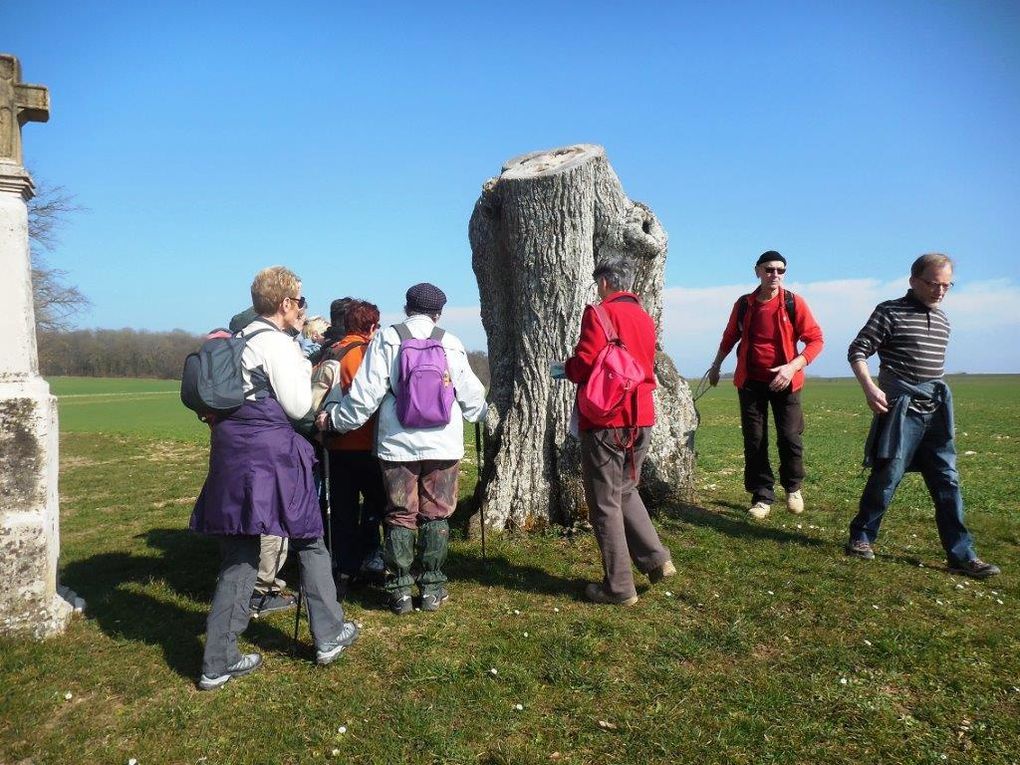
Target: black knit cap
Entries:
(768, 257)
(425, 298)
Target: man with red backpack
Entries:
(418, 378)
(615, 422)
(768, 323)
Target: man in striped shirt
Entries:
(913, 425)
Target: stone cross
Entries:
(31, 602)
(19, 103)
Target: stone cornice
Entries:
(14, 179)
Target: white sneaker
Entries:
(795, 502)
(760, 510)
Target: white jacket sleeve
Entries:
(368, 388)
(470, 391)
(290, 374)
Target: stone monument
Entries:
(30, 603)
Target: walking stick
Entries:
(329, 505)
(481, 500)
(297, 618)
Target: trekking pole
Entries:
(481, 500)
(329, 505)
(297, 618)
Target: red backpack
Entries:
(615, 375)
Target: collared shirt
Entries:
(372, 389)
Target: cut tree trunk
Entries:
(536, 232)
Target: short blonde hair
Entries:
(271, 286)
(316, 325)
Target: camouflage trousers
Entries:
(420, 491)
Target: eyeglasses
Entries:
(774, 270)
(301, 302)
(945, 286)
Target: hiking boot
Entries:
(248, 663)
(596, 594)
(328, 652)
(659, 573)
(859, 548)
(795, 502)
(374, 565)
(401, 603)
(975, 568)
(268, 602)
(760, 510)
(433, 600)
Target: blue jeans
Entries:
(928, 446)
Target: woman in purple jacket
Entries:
(260, 482)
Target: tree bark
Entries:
(536, 232)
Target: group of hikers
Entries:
(384, 408)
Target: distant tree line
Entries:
(137, 353)
(115, 353)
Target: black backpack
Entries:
(212, 384)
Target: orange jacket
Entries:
(362, 439)
(804, 329)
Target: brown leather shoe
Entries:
(596, 594)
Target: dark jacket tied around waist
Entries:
(885, 439)
(260, 477)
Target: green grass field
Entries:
(770, 646)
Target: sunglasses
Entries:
(774, 270)
(301, 302)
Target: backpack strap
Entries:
(791, 306)
(437, 334)
(259, 378)
(607, 324)
(345, 349)
(403, 332)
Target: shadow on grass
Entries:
(737, 525)
(113, 586)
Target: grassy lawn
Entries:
(770, 646)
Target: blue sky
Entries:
(349, 142)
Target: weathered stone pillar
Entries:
(29, 512)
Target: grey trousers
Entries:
(622, 527)
(272, 556)
(230, 610)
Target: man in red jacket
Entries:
(613, 449)
(768, 323)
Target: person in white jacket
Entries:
(420, 465)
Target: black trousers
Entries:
(759, 480)
(358, 501)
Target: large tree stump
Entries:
(536, 232)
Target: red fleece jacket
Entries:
(805, 329)
(637, 331)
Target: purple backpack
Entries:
(425, 394)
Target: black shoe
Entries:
(434, 600)
(859, 548)
(267, 603)
(401, 603)
(975, 568)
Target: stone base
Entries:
(29, 511)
